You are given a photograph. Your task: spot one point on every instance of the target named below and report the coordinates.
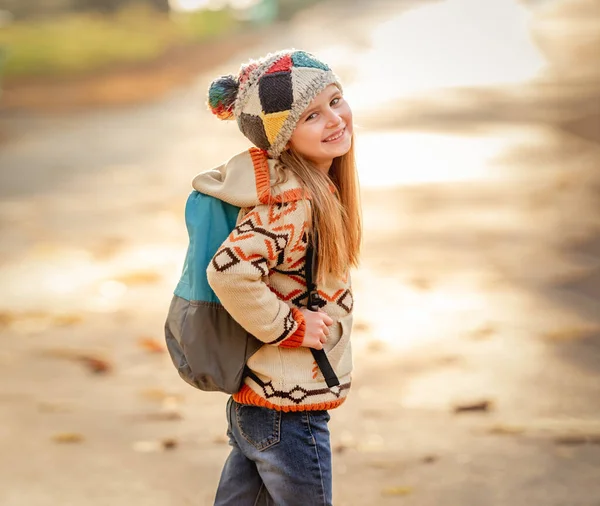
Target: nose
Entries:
(334, 119)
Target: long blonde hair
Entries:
(336, 211)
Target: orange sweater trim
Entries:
(248, 396)
(263, 181)
(295, 340)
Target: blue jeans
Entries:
(279, 459)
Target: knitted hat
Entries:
(269, 95)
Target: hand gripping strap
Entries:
(319, 355)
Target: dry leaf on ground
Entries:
(139, 278)
(484, 332)
(396, 491)
(160, 416)
(94, 363)
(472, 407)
(160, 395)
(151, 345)
(506, 430)
(66, 320)
(577, 439)
(572, 333)
(67, 437)
(169, 443)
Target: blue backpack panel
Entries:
(207, 346)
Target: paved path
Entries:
(480, 281)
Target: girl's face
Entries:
(324, 130)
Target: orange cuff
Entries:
(295, 340)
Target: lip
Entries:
(337, 132)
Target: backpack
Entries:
(208, 347)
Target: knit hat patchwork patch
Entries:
(269, 95)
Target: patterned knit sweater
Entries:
(259, 276)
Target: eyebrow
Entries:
(308, 112)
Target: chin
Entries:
(340, 150)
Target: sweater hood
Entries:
(245, 181)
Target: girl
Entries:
(298, 183)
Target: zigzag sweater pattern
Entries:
(258, 274)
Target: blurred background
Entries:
(477, 330)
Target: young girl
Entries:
(298, 183)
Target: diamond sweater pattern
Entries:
(258, 274)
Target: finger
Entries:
(318, 345)
(325, 329)
(327, 319)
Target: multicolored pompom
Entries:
(268, 96)
(221, 96)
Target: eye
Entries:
(335, 101)
(311, 116)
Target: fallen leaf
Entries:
(577, 439)
(161, 416)
(108, 248)
(572, 333)
(361, 327)
(484, 332)
(95, 364)
(339, 448)
(67, 437)
(169, 443)
(478, 406)
(66, 320)
(382, 464)
(448, 359)
(396, 491)
(151, 345)
(506, 430)
(138, 278)
(6, 318)
(159, 395)
(376, 345)
(421, 283)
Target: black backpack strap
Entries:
(248, 372)
(312, 304)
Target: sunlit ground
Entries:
(441, 45)
(456, 43)
(391, 158)
(469, 227)
(482, 45)
(425, 50)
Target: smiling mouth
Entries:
(336, 135)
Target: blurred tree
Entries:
(22, 9)
(114, 5)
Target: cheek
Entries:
(312, 135)
(347, 117)
(306, 138)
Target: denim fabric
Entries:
(277, 458)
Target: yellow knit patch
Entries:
(273, 123)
